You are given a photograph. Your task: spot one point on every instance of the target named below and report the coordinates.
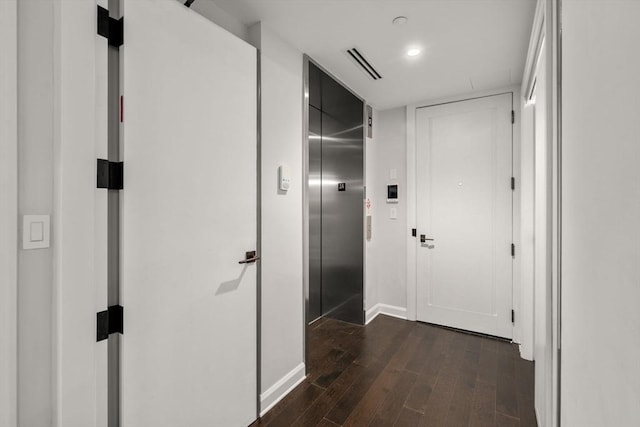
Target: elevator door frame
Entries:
(305, 195)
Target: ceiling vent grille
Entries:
(362, 63)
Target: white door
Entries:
(464, 169)
(189, 355)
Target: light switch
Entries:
(393, 213)
(35, 231)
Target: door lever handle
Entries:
(423, 239)
(249, 258)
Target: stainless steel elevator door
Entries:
(342, 219)
(336, 197)
(315, 214)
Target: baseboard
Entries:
(389, 310)
(279, 390)
(371, 314)
(525, 353)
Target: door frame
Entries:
(546, 39)
(9, 212)
(412, 187)
(306, 60)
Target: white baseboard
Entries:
(279, 390)
(389, 310)
(371, 314)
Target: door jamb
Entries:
(9, 213)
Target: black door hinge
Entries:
(188, 3)
(513, 183)
(513, 116)
(414, 232)
(109, 322)
(513, 316)
(110, 28)
(110, 174)
(513, 250)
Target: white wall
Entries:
(8, 212)
(600, 371)
(36, 168)
(386, 252)
(282, 317)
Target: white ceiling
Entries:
(467, 45)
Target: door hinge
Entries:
(110, 175)
(513, 116)
(188, 3)
(513, 250)
(513, 183)
(414, 232)
(513, 316)
(109, 322)
(110, 28)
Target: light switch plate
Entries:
(35, 231)
(393, 213)
(393, 174)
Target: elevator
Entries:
(336, 195)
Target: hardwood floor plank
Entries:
(391, 407)
(488, 364)
(419, 395)
(460, 406)
(424, 344)
(506, 398)
(506, 421)
(365, 399)
(408, 418)
(296, 407)
(330, 397)
(525, 395)
(437, 407)
(483, 409)
(364, 412)
(333, 369)
(345, 405)
(326, 423)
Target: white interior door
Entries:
(464, 168)
(189, 351)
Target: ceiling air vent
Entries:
(363, 63)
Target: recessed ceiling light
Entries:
(400, 20)
(413, 52)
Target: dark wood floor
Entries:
(398, 373)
